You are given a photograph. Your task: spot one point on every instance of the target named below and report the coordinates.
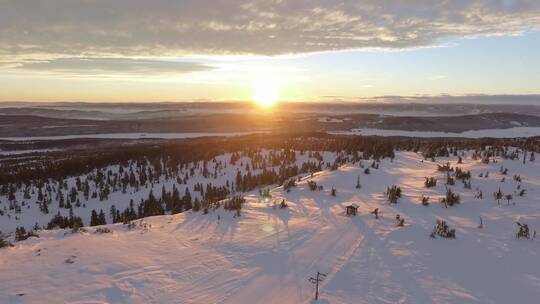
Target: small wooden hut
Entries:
(351, 209)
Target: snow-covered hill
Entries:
(268, 253)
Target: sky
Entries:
(291, 50)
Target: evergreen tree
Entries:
(101, 218)
(187, 200)
(94, 220)
(112, 213)
(196, 205)
(60, 199)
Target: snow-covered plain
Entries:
(329, 120)
(493, 133)
(267, 254)
(130, 136)
(20, 152)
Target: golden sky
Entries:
(161, 50)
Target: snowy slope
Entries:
(267, 254)
(30, 213)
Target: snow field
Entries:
(267, 254)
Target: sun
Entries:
(266, 92)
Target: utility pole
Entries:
(320, 277)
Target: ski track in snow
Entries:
(267, 254)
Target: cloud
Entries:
(437, 77)
(264, 27)
(118, 66)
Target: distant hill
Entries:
(37, 125)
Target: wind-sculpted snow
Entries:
(268, 253)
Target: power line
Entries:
(320, 277)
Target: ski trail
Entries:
(379, 258)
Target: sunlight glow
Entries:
(266, 91)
